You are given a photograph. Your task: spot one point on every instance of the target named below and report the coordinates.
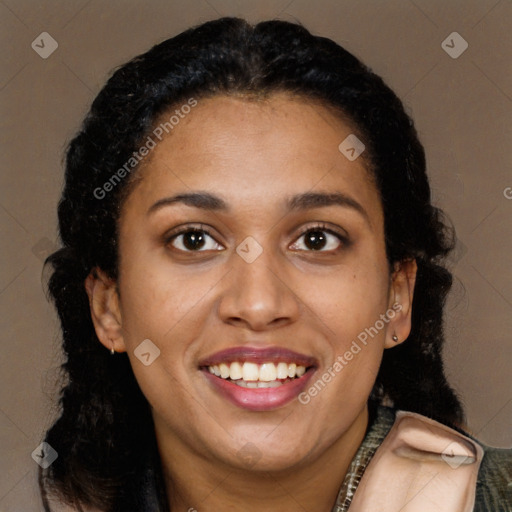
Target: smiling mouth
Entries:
(253, 375)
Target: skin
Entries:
(254, 155)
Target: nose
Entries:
(256, 296)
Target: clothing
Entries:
(492, 491)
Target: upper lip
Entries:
(258, 355)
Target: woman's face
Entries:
(253, 247)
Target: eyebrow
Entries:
(308, 200)
(202, 200)
(319, 199)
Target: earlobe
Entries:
(403, 281)
(105, 311)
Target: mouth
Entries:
(252, 375)
(258, 379)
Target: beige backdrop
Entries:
(462, 108)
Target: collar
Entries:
(432, 467)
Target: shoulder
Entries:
(494, 484)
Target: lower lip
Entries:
(259, 399)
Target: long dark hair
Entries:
(105, 435)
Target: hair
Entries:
(105, 434)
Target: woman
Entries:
(251, 271)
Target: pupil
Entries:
(193, 240)
(315, 240)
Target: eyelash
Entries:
(322, 227)
(344, 241)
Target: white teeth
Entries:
(253, 373)
(235, 371)
(250, 372)
(224, 370)
(268, 372)
(282, 371)
(244, 384)
(272, 384)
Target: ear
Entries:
(105, 311)
(401, 294)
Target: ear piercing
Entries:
(112, 351)
(394, 338)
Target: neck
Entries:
(196, 483)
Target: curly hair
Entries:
(105, 433)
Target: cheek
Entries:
(169, 309)
(349, 304)
(350, 299)
(156, 300)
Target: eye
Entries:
(318, 239)
(194, 240)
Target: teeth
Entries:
(273, 384)
(250, 371)
(244, 384)
(253, 375)
(235, 371)
(224, 370)
(268, 372)
(282, 371)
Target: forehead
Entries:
(253, 150)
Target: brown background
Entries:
(462, 108)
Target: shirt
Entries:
(493, 489)
(494, 483)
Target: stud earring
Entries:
(394, 338)
(112, 351)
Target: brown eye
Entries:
(195, 240)
(315, 240)
(318, 239)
